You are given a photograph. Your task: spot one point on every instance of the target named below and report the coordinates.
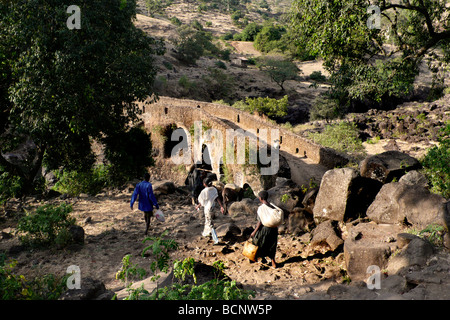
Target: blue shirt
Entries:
(147, 199)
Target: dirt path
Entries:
(113, 231)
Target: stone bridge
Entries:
(299, 158)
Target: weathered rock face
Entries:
(286, 195)
(399, 203)
(90, 290)
(388, 165)
(343, 195)
(326, 235)
(331, 201)
(415, 253)
(368, 244)
(163, 187)
(245, 206)
(299, 220)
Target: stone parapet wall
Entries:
(184, 113)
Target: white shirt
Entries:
(207, 197)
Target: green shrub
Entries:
(268, 106)
(317, 76)
(436, 165)
(48, 225)
(75, 182)
(17, 287)
(10, 186)
(220, 64)
(219, 288)
(325, 108)
(269, 38)
(343, 137)
(175, 21)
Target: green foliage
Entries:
(268, 106)
(129, 271)
(219, 288)
(10, 186)
(175, 21)
(48, 225)
(343, 137)
(193, 42)
(220, 64)
(160, 250)
(269, 38)
(185, 83)
(325, 108)
(432, 233)
(183, 268)
(156, 6)
(278, 69)
(74, 182)
(436, 165)
(17, 287)
(249, 33)
(362, 68)
(64, 88)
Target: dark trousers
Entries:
(147, 218)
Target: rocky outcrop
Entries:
(414, 205)
(388, 166)
(344, 195)
(369, 244)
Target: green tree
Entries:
(271, 107)
(63, 88)
(192, 44)
(153, 6)
(278, 69)
(362, 67)
(268, 39)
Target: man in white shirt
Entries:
(207, 199)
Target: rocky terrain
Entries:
(329, 238)
(380, 214)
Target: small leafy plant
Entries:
(129, 270)
(17, 287)
(48, 225)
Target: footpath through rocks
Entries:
(318, 257)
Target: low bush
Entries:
(268, 106)
(17, 287)
(74, 182)
(343, 137)
(48, 225)
(436, 165)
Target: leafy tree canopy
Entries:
(64, 88)
(368, 59)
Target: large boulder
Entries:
(163, 187)
(90, 290)
(369, 244)
(286, 195)
(388, 165)
(411, 204)
(299, 220)
(344, 195)
(326, 237)
(415, 253)
(245, 206)
(228, 231)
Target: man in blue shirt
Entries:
(147, 199)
